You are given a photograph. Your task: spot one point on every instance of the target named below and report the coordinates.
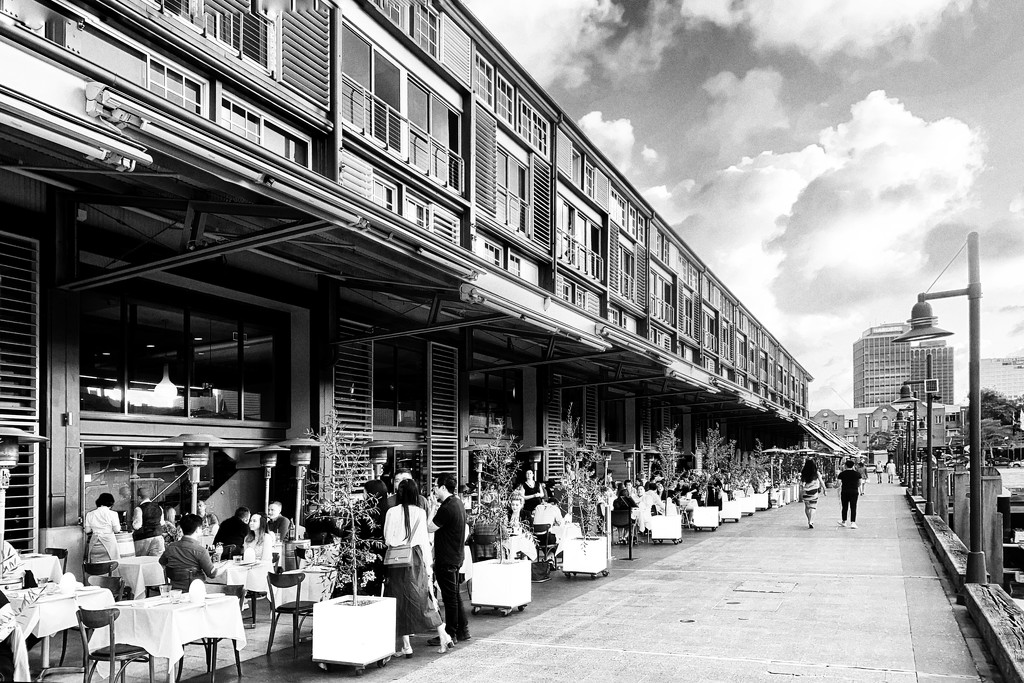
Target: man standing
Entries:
(449, 529)
(232, 532)
(147, 521)
(862, 470)
(849, 479)
(276, 522)
(890, 470)
(187, 559)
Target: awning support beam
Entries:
(453, 325)
(547, 361)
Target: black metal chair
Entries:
(182, 578)
(299, 609)
(210, 644)
(118, 655)
(622, 520)
(546, 542)
(114, 584)
(61, 554)
(99, 568)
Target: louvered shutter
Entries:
(602, 189)
(614, 281)
(356, 175)
(443, 413)
(680, 308)
(305, 53)
(19, 379)
(698, 321)
(593, 303)
(353, 392)
(645, 422)
(455, 49)
(553, 429)
(642, 267)
(486, 158)
(445, 225)
(542, 201)
(590, 416)
(564, 154)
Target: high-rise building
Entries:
(879, 366)
(942, 368)
(1005, 375)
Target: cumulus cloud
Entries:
(614, 137)
(556, 40)
(823, 28)
(742, 107)
(649, 155)
(1017, 203)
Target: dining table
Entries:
(253, 576)
(140, 572)
(43, 566)
(162, 626)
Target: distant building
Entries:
(857, 425)
(881, 367)
(1005, 375)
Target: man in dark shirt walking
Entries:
(449, 529)
(849, 479)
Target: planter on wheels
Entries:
(731, 509)
(705, 517)
(354, 635)
(586, 557)
(761, 501)
(503, 586)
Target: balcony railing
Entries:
(627, 285)
(439, 162)
(579, 256)
(741, 363)
(512, 211)
(710, 342)
(375, 117)
(663, 310)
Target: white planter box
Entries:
(784, 495)
(746, 505)
(731, 510)
(666, 528)
(360, 635)
(585, 558)
(705, 518)
(761, 501)
(794, 493)
(504, 586)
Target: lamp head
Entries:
(906, 399)
(922, 325)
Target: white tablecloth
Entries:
(315, 587)
(139, 572)
(56, 612)
(42, 566)
(163, 628)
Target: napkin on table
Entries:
(69, 584)
(197, 591)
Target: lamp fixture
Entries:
(166, 390)
(922, 325)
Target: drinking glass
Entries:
(165, 590)
(176, 595)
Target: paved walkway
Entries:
(765, 599)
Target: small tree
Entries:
(668, 453)
(582, 486)
(337, 489)
(499, 472)
(716, 455)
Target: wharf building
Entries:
(870, 427)
(238, 218)
(880, 367)
(1005, 375)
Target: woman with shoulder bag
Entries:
(812, 485)
(410, 576)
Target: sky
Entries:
(825, 158)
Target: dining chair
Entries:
(114, 584)
(182, 578)
(300, 558)
(546, 542)
(622, 520)
(62, 555)
(118, 655)
(99, 568)
(210, 644)
(297, 608)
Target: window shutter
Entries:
(564, 154)
(590, 416)
(542, 201)
(614, 281)
(602, 189)
(445, 225)
(681, 308)
(559, 283)
(443, 416)
(455, 49)
(353, 384)
(553, 436)
(641, 276)
(593, 303)
(19, 368)
(645, 424)
(486, 158)
(305, 53)
(356, 175)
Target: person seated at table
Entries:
(623, 501)
(278, 523)
(100, 526)
(148, 524)
(187, 559)
(211, 523)
(169, 528)
(232, 532)
(13, 649)
(258, 544)
(547, 513)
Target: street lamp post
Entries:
(908, 400)
(922, 327)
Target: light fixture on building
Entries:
(165, 391)
(10, 439)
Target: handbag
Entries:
(400, 556)
(432, 611)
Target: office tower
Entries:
(879, 366)
(942, 368)
(1005, 375)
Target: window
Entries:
(371, 95)
(577, 165)
(627, 272)
(483, 82)
(399, 384)
(286, 144)
(255, 127)
(240, 121)
(493, 253)
(433, 135)
(512, 209)
(618, 209)
(588, 179)
(523, 268)
(392, 9)
(533, 127)
(425, 28)
(175, 87)
(385, 194)
(504, 100)
(417, 211)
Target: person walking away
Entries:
(100, 525)
(849, 479)
(890, 470)
(862, 470)
(879, 469)
(813, 486)
(449, 527)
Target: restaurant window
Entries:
(101, 354)
(216, 371)
(615, 421)
(495, 401)
(399, 384)
(156, 360)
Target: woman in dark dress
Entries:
(374, 531)
(533, 495)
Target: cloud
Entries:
(649, 155)
(614, 137)
(557, 41)
(1017, 203)
(823, 28)
(741, 108)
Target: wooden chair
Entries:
(62, 555)
(300, 558)
(210, 644)
(118, 655)
(182, 578)
(114, 584)
(99, 568)
(297, 608)
(546, 542)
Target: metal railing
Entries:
(375, 117)
(663, 310)
(512, 211)
(578, 256)
(439, 162)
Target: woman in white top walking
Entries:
(813, 485)
(101, 524)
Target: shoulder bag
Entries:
(398, 556)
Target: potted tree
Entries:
(356, 630)
(504, 582)
(583, 554)
(667, 527)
